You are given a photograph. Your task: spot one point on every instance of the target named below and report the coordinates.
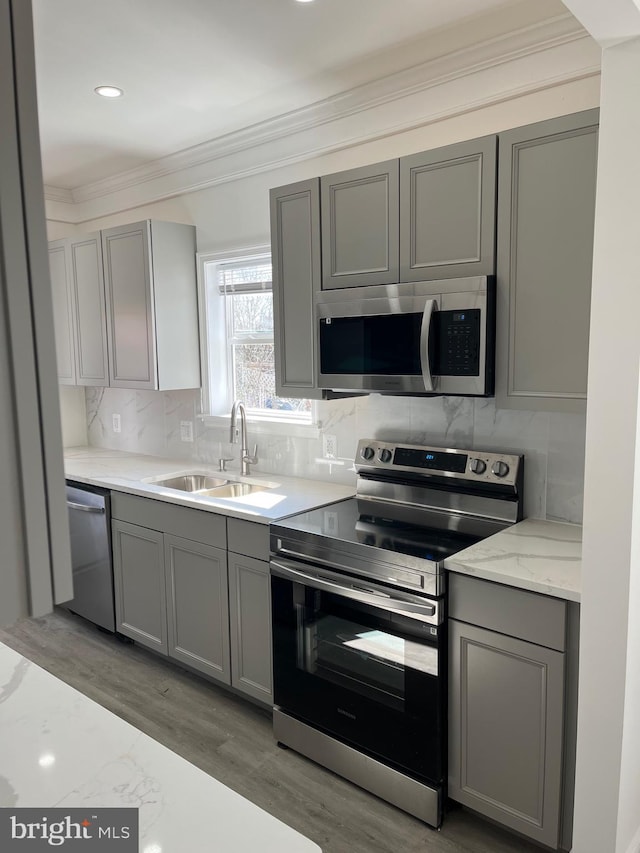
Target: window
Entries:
(238, 349)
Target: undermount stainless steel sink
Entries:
(191, 482)
(207, 485)
(235, 490)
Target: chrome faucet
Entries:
(245, 459)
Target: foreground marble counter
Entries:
(542, 556)
(116, 469)
(59, 748)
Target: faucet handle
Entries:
(254, 456)
(222, 462)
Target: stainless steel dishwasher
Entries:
(90, 527)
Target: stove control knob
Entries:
(478, 466)
(500, 469)
(385, 455)
(367, 453)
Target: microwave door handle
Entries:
(425, 331)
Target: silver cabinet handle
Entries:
(430, 307)
(423, 611)
(83, 508)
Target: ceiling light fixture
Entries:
(109, 91)
(305, 1)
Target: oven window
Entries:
(372, 661)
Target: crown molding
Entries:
(304, 133)
(60, 194)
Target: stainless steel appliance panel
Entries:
(89, 525)
(447, 331)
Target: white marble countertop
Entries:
(116, 469)
(542, 556)
(60, 749)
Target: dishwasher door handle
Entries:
(83, 508)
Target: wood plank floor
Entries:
(231, 739)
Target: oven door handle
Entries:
(425, 610)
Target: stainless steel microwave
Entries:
(435, 337)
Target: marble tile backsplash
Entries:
(553, 444)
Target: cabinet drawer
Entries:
(197, 525)
(248, 538)
(519, 613)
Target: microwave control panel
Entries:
(458, 342)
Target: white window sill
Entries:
(267, 426)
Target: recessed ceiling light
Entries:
(109, 91)
(305, 1)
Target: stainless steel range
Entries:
(359, 607)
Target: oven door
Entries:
(362, 663)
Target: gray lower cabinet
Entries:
(250, 609)
(197, 609)
(139, 583)
(180, 592)
(448, 211)
(546, 210)
(171, 596)
(250, 623)
(507, 706)
(295, 255)
(359, 222)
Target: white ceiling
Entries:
(193, 70)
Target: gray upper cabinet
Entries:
(87, 282)
(125, 306)
(63, 312)
(360, 232)
(295, 254)
(546, 209)
(447, 211)
(151, 302)
(77, 286)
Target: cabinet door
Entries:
(63, 311)
(360, 226)
(198, 606)
(505, 729)
(87, 281)
(295, 254)
(127, 271)
(546, 209)
(448, 210)
(139, 582)
(250, 622)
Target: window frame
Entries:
(214, 342)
